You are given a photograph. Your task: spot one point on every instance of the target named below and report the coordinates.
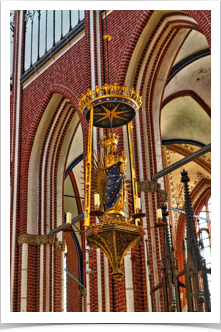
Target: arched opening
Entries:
(55, 163)
(165, 55)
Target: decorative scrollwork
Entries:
(12, 26)
(12, 23)
(37, 240)
(30, 14)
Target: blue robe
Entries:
(113, 187)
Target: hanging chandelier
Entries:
(113, 106)
(118, 229)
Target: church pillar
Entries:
(24, 276)
(15, 278)
(36, 295)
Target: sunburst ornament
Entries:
(113, 106)
(111, 114)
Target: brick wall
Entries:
(203, 18)
(70, 75)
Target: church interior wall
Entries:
(52, 133)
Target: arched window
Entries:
(204, 237)
(44, 29)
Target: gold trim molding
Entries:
(37, 240)
(109, 91)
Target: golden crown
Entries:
(106, 141)
(111, 90)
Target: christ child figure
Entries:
(123, 160)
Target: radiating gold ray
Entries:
(98, 175)
(95, 153)
(95, 159)
(105, 117)
(110, 114)
(122, 112)
(113, 111)
(119, 117)
(102, 158)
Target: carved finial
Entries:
(185, 177)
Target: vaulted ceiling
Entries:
(187, 97)
(186, 118)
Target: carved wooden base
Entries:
(114, 238)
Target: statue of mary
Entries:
(114, 191)
(108, 176)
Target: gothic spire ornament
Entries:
(194, 266)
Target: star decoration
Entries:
(111, 114)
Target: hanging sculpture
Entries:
(105, 175)
(118, 230)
